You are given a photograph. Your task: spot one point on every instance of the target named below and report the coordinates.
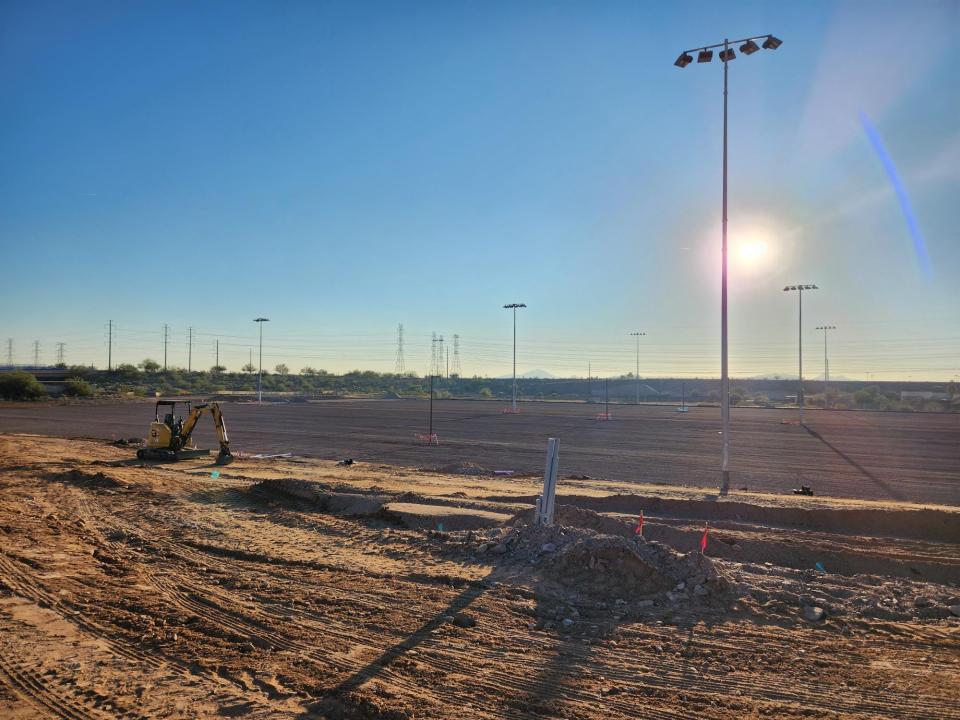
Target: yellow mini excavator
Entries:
(170, 439)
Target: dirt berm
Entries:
(922, 523)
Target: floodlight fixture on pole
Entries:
(826, 361)
(637, 335)
(705, 55)
(260, 321)
(799, 290)
(514, 306)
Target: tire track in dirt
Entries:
(454, 661)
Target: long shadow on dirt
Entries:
(892, 492)
(340, 703)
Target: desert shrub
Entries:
(486, 392)
(77, 387)
(19, 385)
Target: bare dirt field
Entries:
(911, 457)
(297, 588)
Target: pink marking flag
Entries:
(703, 540)
(639, 529)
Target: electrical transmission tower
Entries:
(61, 347)
(166, 332)
(189, 349)
(399, 368)
(436, 361)
(10, 351)
(456, 356)
(36, 353)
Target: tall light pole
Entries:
(260, 321)
(514, 306)
(705, 55)
(637, 335)
(799, 289)
(826, 361)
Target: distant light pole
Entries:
(800, 289)
(514, 306)
(704, 55)
(826, 361)
(260, 321)
(637, 335)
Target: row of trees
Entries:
(152, 366)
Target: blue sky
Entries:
(344, 167)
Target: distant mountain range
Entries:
(535, 374)
(838, 378)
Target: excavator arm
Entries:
(225, 456)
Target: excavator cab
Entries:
(172, 438)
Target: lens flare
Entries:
(919, 246)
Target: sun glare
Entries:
(753, 249)
(752, 252)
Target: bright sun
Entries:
(752, 252)
(753, 248)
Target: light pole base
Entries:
(724, 482)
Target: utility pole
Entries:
(448, 363)
(637, 335)
(36, 353)
(189, 349)
(589, 383)
(705, 55)
(430, 433)
(399, 368)
(166, 332)
(799, 289)
(514, 306)
(826, 362)
(260, 321)
(61, 347)
(216, 362)
(110, 347)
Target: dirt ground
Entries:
(913, 457)
(293, 587)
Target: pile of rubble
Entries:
(600, 557)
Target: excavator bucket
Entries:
(224, 457)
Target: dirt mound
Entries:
(345, 504)
(600, 557)
(460, 468)
(87, 480)
(573, 516)
(607, 566)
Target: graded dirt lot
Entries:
(297, 588)
(912, 457)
